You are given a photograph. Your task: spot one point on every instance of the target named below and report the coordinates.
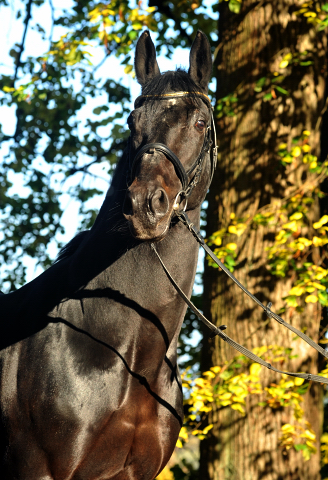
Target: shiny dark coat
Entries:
(90, 387)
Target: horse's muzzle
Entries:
(147, 211)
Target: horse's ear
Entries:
(145, 62)
(200, 68)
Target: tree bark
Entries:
(249, 176)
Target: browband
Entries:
(164, 96)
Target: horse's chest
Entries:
(88, 422)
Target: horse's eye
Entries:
(200, 125)
(130, 121)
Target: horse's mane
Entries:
(71, 247)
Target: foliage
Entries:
(54, 147)
(288, 218)
(47, 152)
(314, 13)
(230, 385)
(234, 5)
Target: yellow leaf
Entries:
(304, 241)
(321, 222)
(288, 56)
(296, 151)
(311, 299)
(283, 64)
(309, 435)
(150, 9)
(240, 227)
(179, 444)
(231, 246)
(237, 406)
(216, 369)
(232, 229)
(209, 374)
(208, 428)
(306, 132)
(166, 474)
(310, 14)
(298, 381)
(298, 290)
(8, 89)
(306, 148)
(128, 69)
(225, 396)
(200, 382)
(280, 238)
(217, 241)
(313, 165)
(291, 226)
(198, 405)
(319, 242)
(255, 369)
(183, 433)
(282, 146)
(288, 428)
(232, 215)
(296, 216)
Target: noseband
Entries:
(196, 169)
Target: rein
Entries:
(183, 217)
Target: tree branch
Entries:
(52, 8)
(167, 11)
(22, 45)
(118, 145)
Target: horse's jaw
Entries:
(144, 232)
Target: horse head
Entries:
(169, 159)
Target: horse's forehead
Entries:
(174, 106)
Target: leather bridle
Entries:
(189, 178)
(187, 187)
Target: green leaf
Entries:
(267, 97)
(323, 298)
(100, 109)
(234, 6)
(281, 90)
(300, 446)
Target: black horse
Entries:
(90, 387)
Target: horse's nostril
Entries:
(127, 205)
(159, 203)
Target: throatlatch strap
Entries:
(219, 330)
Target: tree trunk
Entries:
(249, 176)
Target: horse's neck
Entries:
(112, 260)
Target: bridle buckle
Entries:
(176, 204)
